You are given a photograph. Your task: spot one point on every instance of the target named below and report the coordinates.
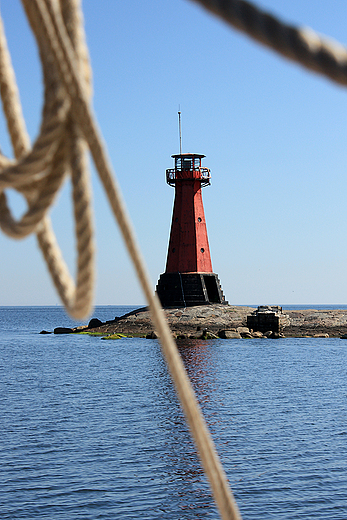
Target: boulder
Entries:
(229, 334)
(94, 322)
(207, 335)
(210, 335)
(243, 330)
(151, 335)
(276, 335)
(45, 332)
(63, 330)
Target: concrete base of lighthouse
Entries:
(189, 289)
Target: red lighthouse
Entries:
(188, 279)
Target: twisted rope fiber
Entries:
(64, 56)
(302, 45)
(38, 173)
(48, 19)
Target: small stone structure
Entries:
(267, 318)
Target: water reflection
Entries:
(192, 495)
(200, 358)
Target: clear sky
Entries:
(274, 136)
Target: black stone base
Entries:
(189, 289)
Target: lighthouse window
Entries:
(187, 164)
(199, 219)
(197, 162)
(178, 163)
(202, 250)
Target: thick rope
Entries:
(58, 152)
(65, 59)
(68, 124)
(303, 45)
(67, 116)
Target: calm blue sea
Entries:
(91, 429)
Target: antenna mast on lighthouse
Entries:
(179, 127)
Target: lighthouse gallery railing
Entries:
(202, 174)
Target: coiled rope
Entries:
(68, 128)
(68, 125)
(58, 152)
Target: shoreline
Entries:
(208, 321)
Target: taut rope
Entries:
(303, 45)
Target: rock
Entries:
(257, 334)
(229, 334)
(243, 330)
(326, 335)
(218, 317)
(151, 335)
(207, 335)
(274, 335)
(203, 335)
(268, 333)
(113, 336)
(45, 332)
(94, 322)
(210, 335)
(344, 336)
(63, 330)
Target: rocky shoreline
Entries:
(217, 320)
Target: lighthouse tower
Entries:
(188, 279)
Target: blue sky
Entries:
(274, 136)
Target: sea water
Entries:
(91, 429)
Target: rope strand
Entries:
(302, 45)
(63, 53)
(39, 174)
(68, 127)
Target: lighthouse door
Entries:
(212, 289)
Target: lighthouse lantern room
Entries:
(188, 279)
